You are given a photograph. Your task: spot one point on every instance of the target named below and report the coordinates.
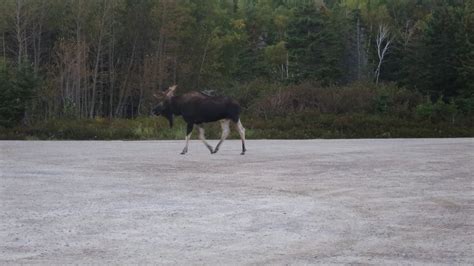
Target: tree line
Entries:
(106, 58)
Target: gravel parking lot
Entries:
(390, 201)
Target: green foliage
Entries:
(301, 125)
(440, 61)
(16, 90)
(276, 57)
(314, 125)
(355, 98)
(99, 128)
(316, 44)
(466, 106)
(396, 101)
(437, 111)
(247, 94)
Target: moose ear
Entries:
(171, 90)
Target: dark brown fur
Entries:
(197, 108)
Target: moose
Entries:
(197, 108)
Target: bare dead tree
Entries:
(358, 48)
(383, 41)
(161, 45)
(98, 56)
(20, 24)
(112, 74)
(409, 30)
(77, 77)
(124, 89)
(39, 16)
(4, 47)
(203, 60)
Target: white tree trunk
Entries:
(383, 42)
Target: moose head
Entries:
(164, 104)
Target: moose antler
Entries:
(159, 95)
(171, 90)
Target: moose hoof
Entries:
(215, 151)
(242, 153)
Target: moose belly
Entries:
(205, 118)
(210, 112)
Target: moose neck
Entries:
(171, 110)
(169, 117)
(173, 106)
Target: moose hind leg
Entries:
(189, 130)
(225, 133)
(241, 131)
(203, 138)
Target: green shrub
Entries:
(358, 97)
(104, 129)
(425, 110)
(16, 90)
(393, 100)
(316, 125)
(298, 125)
(437, 111)
(465, 105)
(247, 94)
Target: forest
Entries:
(88, 69)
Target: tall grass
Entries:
(99, 128)
(301, 125)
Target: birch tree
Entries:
(383, 41)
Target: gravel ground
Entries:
(391, 201)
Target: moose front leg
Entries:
(189, 130)
(203, 138)
(224, 134)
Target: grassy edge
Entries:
(295, 126)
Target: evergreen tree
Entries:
(16, 90)
(442, 49)
(316, 45)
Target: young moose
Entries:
(197, 108)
